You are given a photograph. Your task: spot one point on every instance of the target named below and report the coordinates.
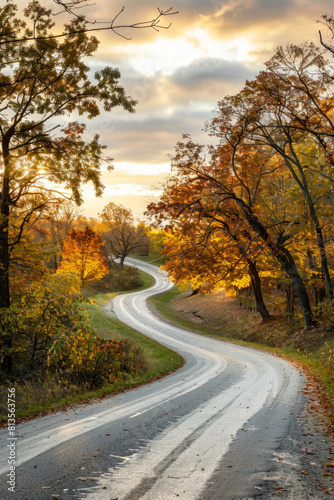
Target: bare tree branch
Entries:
(69, 8)
(328, 22)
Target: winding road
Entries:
(230, 424)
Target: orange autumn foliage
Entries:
(82, 255)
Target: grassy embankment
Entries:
(36, 397)
(159, 359)
(225, 320)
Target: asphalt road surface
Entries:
(230, 424)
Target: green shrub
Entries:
(33, 323)
(50, 333)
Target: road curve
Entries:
(225, 426)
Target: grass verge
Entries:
(160, 360)
(313, 351)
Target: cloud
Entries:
(240, 12)
(268, 23)
(205, 71)
(149, 138)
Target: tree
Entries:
(82, 255)
(208, 243)
(210, 253)
(43, 77)
(285, 109)
(121, 237)
(59, 218)
(210, 258)
(40, 83)
(228, 182)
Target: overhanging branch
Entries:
(69, 7)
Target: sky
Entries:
(178, 76)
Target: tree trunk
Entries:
(286, 260)
(302, 295)
(322, 250)
(319, 292)
(324, 265)
(7, 363)
(5, 202)
(256, 286)
(4, 275)
(290, 300)
(302, 183)
(4, 248)
(238, 295)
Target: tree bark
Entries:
(256, 286)
(4, 264)
(7, 363)
(302, 183)
(290, 296)
(286, 260)
(4, 226)
(322, 250)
